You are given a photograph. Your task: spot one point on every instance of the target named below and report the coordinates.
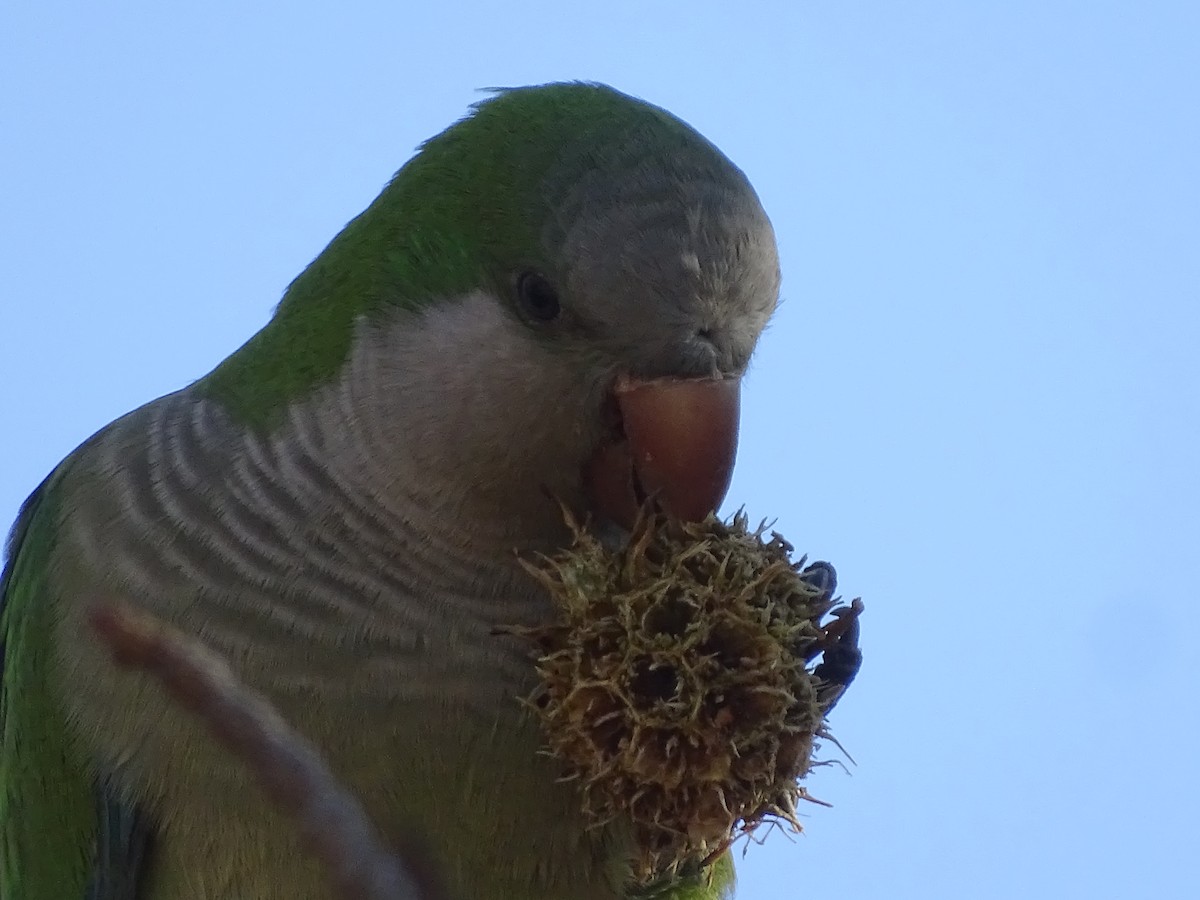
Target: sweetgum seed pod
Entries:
(676, 686)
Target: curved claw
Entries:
(822, 576)
(840, 657)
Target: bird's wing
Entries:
(62, 834)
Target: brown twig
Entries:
(290, 769)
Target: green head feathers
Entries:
(502, 191)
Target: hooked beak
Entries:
(675, 440)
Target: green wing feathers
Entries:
(716, 883)
(46, 803)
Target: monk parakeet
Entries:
(551, 303)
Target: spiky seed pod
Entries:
(675, 685)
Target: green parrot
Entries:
(551, 303)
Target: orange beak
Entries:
(676, 441)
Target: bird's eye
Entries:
(538, 297)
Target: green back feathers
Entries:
(47, 818)
(476, 204)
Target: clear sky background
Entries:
(980, 398)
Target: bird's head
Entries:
(558, 295)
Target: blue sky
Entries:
(980, 398)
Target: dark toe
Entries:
(822, 576)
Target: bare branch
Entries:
(290, 769)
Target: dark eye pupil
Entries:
(538, 296)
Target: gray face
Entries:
(674, 274)
(652, 266)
